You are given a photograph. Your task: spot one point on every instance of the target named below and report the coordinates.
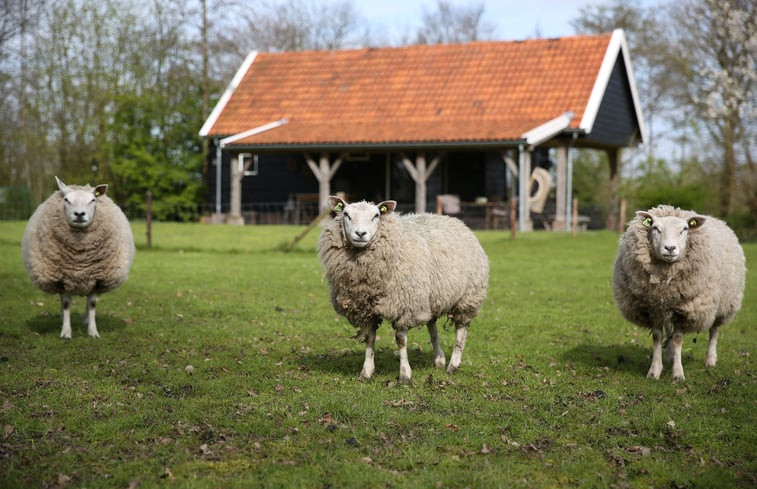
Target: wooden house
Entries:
(416, 122)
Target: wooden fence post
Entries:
(513, 217)
(622, 219)
(148, 218)
(575, 218)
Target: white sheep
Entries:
(678, 272)
(410, 270)
(78, 242)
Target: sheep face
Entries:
(667, 235)
(79, 204)
(360, 221)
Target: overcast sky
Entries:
(514, 19)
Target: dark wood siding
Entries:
(616, 123)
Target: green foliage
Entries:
(155, 147)
(591, 181)
(552, 391)
(657, 183)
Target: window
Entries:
(251, 160)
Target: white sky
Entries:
(514, 19)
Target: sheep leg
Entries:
(405, 371)
(656, 368)
(368, 365)
(677, 341)
(439, 359)
(65, 304)
(712, 348)
(90, 316)
(461, 332)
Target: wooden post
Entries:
(622, 215)
(513, 217)
(148, 218)
(575, 218)
(324, 172)
(420, 172)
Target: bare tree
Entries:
(454, 24)
(296, 25)
(712, 63)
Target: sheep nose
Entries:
(79, 215)
(670, 248)
(361, 234)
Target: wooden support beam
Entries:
(235, 204)
(420, 173)
(324, 171)
(524, 190)
(561, 195)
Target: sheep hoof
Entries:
(652, 374)
(440, 362)
(404, 380)
(452, 368)
(710, 361)
(95, 334)
(365, 375)
(65, 336)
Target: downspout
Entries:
(522, 187)
(219, 155)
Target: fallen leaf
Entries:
(485, 449)
(8, 431)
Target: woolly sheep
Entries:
(678, 272)
(410, 270)
(78, 242)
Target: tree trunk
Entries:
(728, 176)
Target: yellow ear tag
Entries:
(647, 222)
(383, 209)
(339, 207)
(693, 223)
(97, 194)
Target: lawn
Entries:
(222, 364)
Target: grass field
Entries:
(552, 391)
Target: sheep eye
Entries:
(346, 215)
(65, 199)
(375, 217)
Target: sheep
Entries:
(410, 270)
(78, 242)
(678, 272)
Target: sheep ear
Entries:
(62, 186)
(387, 206)
(696, 222)
(646, 218)
(101, 190)
(337, 204)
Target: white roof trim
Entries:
(617, 44)
(549, 129)
(251, 132)
(213, 117)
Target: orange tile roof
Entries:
(481, 91)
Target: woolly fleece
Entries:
(61, 259)
(419, 267)
(701, 290)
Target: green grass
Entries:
(552, 391)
